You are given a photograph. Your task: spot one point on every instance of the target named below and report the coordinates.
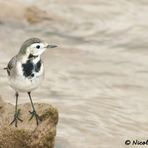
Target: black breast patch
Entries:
(38, 66)
(28, 68)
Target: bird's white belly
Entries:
(22, 84)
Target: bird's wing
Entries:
(10, 65)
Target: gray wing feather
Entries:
(10, 65)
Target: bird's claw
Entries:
(34, 114)
(16, 118)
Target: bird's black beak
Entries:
(51, 46)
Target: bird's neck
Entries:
(30, 57)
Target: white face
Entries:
(37, 48)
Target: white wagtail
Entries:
(26, 72)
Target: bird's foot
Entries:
(16, 118)
(34, 114)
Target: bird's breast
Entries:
(28, 75)
(30, 68)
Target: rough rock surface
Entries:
(27, 134)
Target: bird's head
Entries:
(34, 47)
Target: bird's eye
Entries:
(38, 46)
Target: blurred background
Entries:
(98, 75)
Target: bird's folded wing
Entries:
(10, 65)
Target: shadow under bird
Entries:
(26, 72)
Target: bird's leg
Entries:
(33, 113)
(17, 113)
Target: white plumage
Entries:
(26, 72)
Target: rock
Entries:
(27, 134)
(35, 15)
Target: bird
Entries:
(26, 72)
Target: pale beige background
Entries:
(97, 77)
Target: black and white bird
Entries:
(26, 72)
